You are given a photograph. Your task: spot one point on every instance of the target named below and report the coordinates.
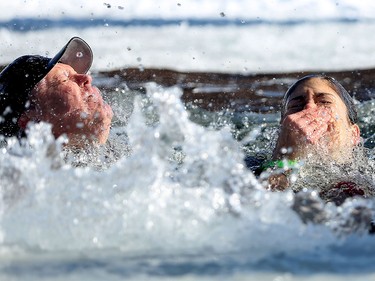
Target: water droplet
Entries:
(149, 225)
(84, 115)
(7, 110)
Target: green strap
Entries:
(279, 164)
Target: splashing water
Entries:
(176, 195)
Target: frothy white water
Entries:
(129, 205)
(181, 195)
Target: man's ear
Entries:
(356, 135)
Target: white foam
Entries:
(154, 212)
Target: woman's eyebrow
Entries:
(325, 94)
(297, 98)
(318, 95)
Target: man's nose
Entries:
(83, 79)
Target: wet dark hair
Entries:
(340, 90)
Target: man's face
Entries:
(316, 103)
(72, 105)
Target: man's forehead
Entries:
(61, 68)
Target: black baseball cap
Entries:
(19, 78)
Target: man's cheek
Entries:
(58, 107)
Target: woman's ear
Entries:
(356, 135)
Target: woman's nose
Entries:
(310, 103)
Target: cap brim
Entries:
(76, 53)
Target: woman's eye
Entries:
(293, 106)
(325, 102)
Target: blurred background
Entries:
(235, 36)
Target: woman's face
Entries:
(317, 95)
(69, 102)
(316, 92)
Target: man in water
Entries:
(57, 91)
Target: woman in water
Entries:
(318, 128)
